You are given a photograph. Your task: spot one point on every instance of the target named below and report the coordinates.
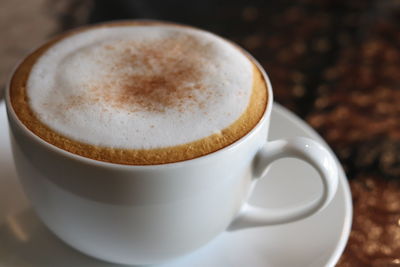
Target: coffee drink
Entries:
(139, 93)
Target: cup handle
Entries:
(302, 148)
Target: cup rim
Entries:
(12, 114)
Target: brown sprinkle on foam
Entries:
(172, 75)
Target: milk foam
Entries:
(140, 87)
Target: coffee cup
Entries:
(153, 211)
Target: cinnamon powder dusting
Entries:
(154, 76)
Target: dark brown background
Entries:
(334, 63)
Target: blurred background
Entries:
(335, 63)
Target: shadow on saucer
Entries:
(25, 241)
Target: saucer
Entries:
(316, 241)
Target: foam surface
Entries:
(140, 87)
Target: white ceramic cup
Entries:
(150, 214)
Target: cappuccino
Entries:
(139, 93)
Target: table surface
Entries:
(336, 64)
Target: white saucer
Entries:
(316, 241)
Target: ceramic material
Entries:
(26, 242)
(151, 214)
